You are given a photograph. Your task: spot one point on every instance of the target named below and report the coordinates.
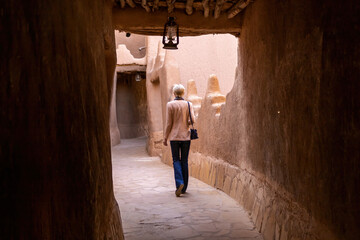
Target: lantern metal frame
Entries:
(170, 45)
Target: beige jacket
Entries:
(178, 120)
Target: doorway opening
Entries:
(131, 104)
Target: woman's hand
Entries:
(165, 142)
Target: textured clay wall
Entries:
(286, 144)
(131, 106)
(199, 57)
(56, 75)
(301, 86)
(114, 129)
(196, 58)
(133, 43)
(154, 113)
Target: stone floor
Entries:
(144, 188)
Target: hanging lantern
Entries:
(171, 34)
(137, 77)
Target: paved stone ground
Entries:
(144, 188)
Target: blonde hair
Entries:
(178, 90)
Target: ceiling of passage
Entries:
(195, 17)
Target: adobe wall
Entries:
(128, 59)
(154, 112)
(196, 58)
(114, 128)
(56, 74)
(286, 144)
(133, 43)
(131, 105)
(200, 56)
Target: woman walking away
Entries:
(178, 133)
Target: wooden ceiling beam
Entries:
(189, 6)
(155, 5)
(218, 7)
(134, 20)
(205, 4)
(145, 6)
(130, 3)
(196, 5)
(238, 7)
(122, 3)
(170, 5)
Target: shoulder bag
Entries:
(193, 131)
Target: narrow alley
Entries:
(144, 189)
(274, 91)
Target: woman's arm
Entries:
(169, 123)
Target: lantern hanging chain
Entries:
(172, 13)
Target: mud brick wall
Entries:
(286, 143)
(57, 61)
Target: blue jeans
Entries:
(180, 153)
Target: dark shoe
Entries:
(178, 191)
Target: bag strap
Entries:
(190, 115)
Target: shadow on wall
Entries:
(286, 144)
(131, 105)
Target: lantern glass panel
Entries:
(171, 34)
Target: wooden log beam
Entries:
(122, 3)
(205, 4)
(135, 20)
(156, 5)
(238, 7)
(218, 7)
(170, 5)
(196, 5)
(130, 3)
(189, 7)
(145, 6)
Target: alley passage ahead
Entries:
(144, 188)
